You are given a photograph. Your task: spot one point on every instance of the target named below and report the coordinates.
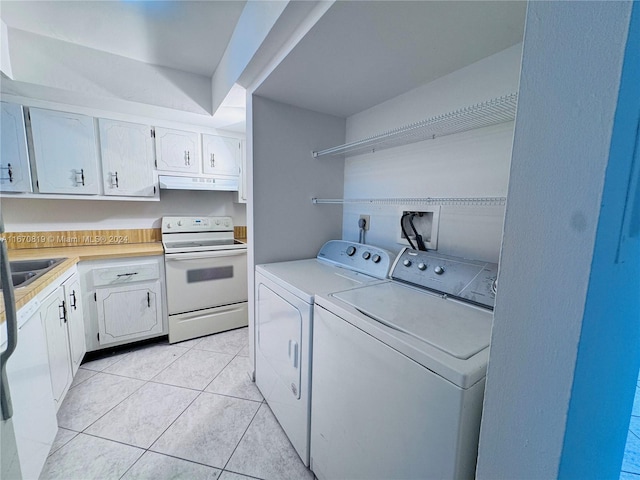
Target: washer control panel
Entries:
(359, 257)
(469, 280)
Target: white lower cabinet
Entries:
(129, 312)
(75, 321)
(34, 411)
(55, 323)
(123, 300)
(64, 326)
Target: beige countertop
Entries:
(73, 255)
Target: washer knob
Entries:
(376, 258)
(422, 266)
(366, 255)
(407, 263)
(351, 251)
(439, 270)
(179, 223)
(217, 222)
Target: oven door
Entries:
(205, 279)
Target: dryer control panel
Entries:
(468, 280)
(358, 257)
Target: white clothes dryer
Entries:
(285, 294)
(399, 370)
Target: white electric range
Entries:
(285, 295)
(399, 371)
(206, 272)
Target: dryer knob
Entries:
(351, 251)
(376, 258)
(422, 266)
(407, 263)
(439, 270)
(366, 255)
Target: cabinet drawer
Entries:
(125, 274)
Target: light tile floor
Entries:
(631, 461)
(181, 411)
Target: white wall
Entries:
(26, 215)
(285, 224)
(53, 64)
(568, 93)
(470, 164)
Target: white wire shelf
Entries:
(465, 201)
(492, 112)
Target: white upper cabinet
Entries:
(127, 158)
(220, 155)
(177, 151)
(64, 146)
(14, 162)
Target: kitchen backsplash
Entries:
(76, 238)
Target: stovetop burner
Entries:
(198, 234)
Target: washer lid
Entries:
(453, 328)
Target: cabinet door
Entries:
(64, 146)
(127, 158)
(15, 175)
(129, 312)
(34, 411)
(220, 155)
(75, 322)
(53, 313)
(242, 184)
(177, 151)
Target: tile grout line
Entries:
(152, 381)
(241, 437)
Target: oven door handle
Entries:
(176, 257)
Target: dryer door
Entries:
(279, 339)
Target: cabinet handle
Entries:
(9, 170)
(186, 158)
(114, 179)
(64, 311)
(81, 177)
(127, 274)
(148, 300)
(213, 160)
(75, 301)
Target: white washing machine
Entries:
(285, 294)
(399, 372)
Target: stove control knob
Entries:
(168, 225)
(407, 263)
(179, 223)
(376, 258)
(422, 266)
(439, 270)
(351, 251)
(366, 255)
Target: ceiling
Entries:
(362, 53)
(185, 35)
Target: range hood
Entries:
(170, 182)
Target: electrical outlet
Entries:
(425, 221)
(367, 220)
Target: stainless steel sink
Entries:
(24, 272)
(31, 265)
